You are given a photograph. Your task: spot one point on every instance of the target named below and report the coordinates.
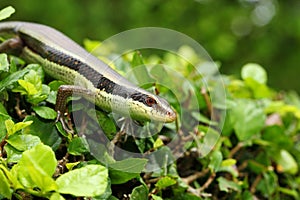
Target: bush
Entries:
(250, 153)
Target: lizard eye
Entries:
(150, 101)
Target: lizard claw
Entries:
(60, 118)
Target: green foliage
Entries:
(6, 12)
(4, 65)
(90, 180)
(247, 119)
(237, 32)
(125, 170)
(256, 155)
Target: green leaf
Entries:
(226, 185)
(33, 78)
(12, 78)
(37, 74)
(158, 143)
(54, 85)
(229, 169)
(90, 181)
(238, 89)
(6, 12)
(5, 190)
(78, 146)
(46, 131)
(247, 195)
(56, 196)
(140, 71)
(32, 85)
(254, 71)
(119, 177)
(131, 165)
(248, 119)
(9, 124)
(201, 118)
(155, 197)
(13, 155)
(139, 192)
(165, 182)
(91, 45)
(268, 184)
(276, 135)
(41, 156)
(107, 195)
(27, 86)
(215, 161)
(36, 167)
(3, 110)
(125, 170)
(290, 192)
(186, 196)
(23, 142)
(228, 162)
(61, 130)
(52, 97)
(286, 162)
(107, 124)
(70, 166)
(11, 177)
(3, 130)
(4, 64)
(45, 112)
(12, 128)
(21, 125)
(259, 90)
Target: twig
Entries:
(154, 180)
(195, 176)
(197, 192)
(2, 144)
(243, 165)
(83, 126)
(147, 176)
(61, 164)
(208, 182)
(19, 112)
(255, 183)
(193, 191)
(117, 137)
(207, 100)
(235, 149)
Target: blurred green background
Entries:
(233, 32)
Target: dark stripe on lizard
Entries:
(97, 79)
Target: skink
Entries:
(85, 74)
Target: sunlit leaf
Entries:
(32, 170)
(165, 182)
(247, 118)
(4, 64)
(90, 181)
(5, 190)
(254, 71)
(286, 162)
(6, 12)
